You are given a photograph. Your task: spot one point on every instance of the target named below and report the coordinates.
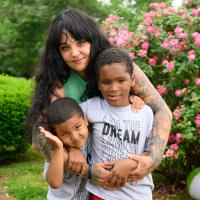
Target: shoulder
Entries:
(93, 101)
(147, 110)
(90, 104)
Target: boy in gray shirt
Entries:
(117, 130)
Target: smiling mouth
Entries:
(114, 97)
(78, 61)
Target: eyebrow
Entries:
(63, 43)
(115, 78)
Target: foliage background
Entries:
(173, 70)
(166, 45)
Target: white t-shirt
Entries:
(118, 132)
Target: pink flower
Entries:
(153, 5)
(131, 54)
(170, 65)
(157, 34)
(195, 12)
(191, 55)
(152, 61)
(182, 46)
(143, 37)
(142, 53)
(178, 138)
(159, 15)
(178, 30)
(113, 18)
(172, 138)
(135, 43)
(197, 122)
(148, 21)
(174, 147)
(150, 14)
(186, 81)
(112, 40)
(197, 81)
(173, 42)
(161, 89)
(123, 38)
(178, 92)
(155, 58)
(165, 44)
(197, 116)
(183, 35)
(145, 45)
(178, 112)
(121, 41)
(150, 30)
(196, 37)
(169, 153)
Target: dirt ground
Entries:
(4, 195)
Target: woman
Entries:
(73, 44)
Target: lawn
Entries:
(22, 180)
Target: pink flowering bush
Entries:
(166, 46)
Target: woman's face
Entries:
(76, 54)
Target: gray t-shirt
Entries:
(72, 188)
(118, 132)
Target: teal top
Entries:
(75, 86)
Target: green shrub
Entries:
(14, 102)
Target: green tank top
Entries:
(75, 86)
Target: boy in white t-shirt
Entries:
(117, 130)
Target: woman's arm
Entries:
(42, 144)
(162, 120)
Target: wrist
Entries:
(155, 159)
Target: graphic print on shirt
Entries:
(119, 138)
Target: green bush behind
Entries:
(15, 97)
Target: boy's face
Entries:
(73, 132)
(115, 83)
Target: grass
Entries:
(23, 180)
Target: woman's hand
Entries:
(121, 171)
(136, 103)
(101, 174)
(144, 167)
(77, 162)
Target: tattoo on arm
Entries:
(163, 117)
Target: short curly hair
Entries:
(114, 55)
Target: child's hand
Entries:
(77, 162)
(54, 140)
(136, 103)
(121, 171)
